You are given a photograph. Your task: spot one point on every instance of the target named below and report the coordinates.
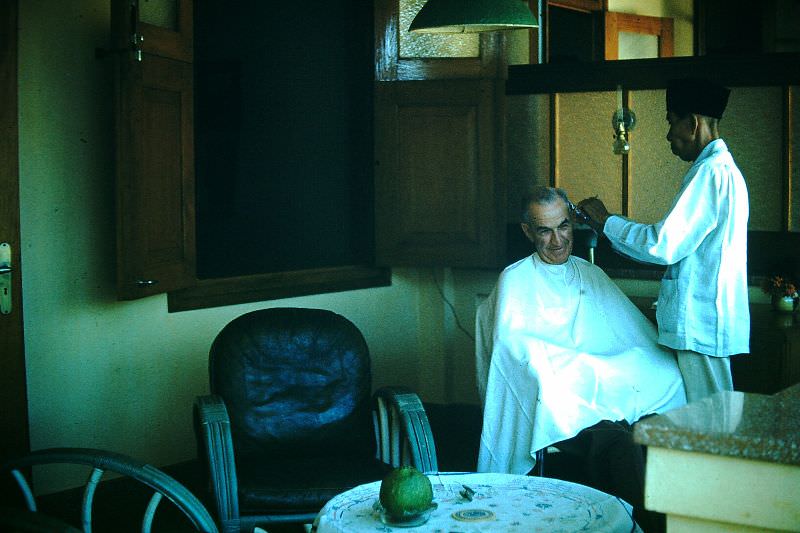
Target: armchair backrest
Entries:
(294, 381)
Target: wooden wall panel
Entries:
(752, 128)
(655, 174)
(585, 164)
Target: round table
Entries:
(501, 502)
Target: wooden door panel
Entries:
(13, 381)
(155, 146)
(172, 37)
(163, 28)
(155, 215)
(450, 135)
(439, 180)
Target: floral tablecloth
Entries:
(501, 502)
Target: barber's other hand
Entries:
(596, 211)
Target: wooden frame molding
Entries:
(586, 6)
(636, 74)
(661, 27)
(261, 287)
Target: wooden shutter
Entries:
(155, 150)
(439, 180)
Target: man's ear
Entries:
(526, 230)
(694, 123)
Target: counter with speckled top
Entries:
(737, 424)
(729, 462)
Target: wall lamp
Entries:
(623, 120)
(471, 16)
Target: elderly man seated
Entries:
(564, 358)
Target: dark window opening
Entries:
(283, 136)
(574, 35)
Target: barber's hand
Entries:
(596, 211)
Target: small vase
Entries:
(784, 304)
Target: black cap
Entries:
(697, 95)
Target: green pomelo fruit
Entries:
(406, 491)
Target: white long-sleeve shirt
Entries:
(703, 300)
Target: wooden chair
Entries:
(98, 462)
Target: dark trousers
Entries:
(605, 457)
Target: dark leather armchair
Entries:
(291, 420)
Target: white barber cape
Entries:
(560, 348)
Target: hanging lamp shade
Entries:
(470, 16)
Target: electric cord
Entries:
(450, 305)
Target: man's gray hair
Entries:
(541, 195)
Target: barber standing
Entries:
(703, 312)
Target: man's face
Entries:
(550, 231)
(681, 136)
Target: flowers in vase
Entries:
(779, 287)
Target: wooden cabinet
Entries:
(773, 363)
(439, 174)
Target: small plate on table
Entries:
(406, 520)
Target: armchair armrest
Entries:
(213, 428)
(402, 430)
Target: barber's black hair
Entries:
(697, 95)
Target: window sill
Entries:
(247, 289)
